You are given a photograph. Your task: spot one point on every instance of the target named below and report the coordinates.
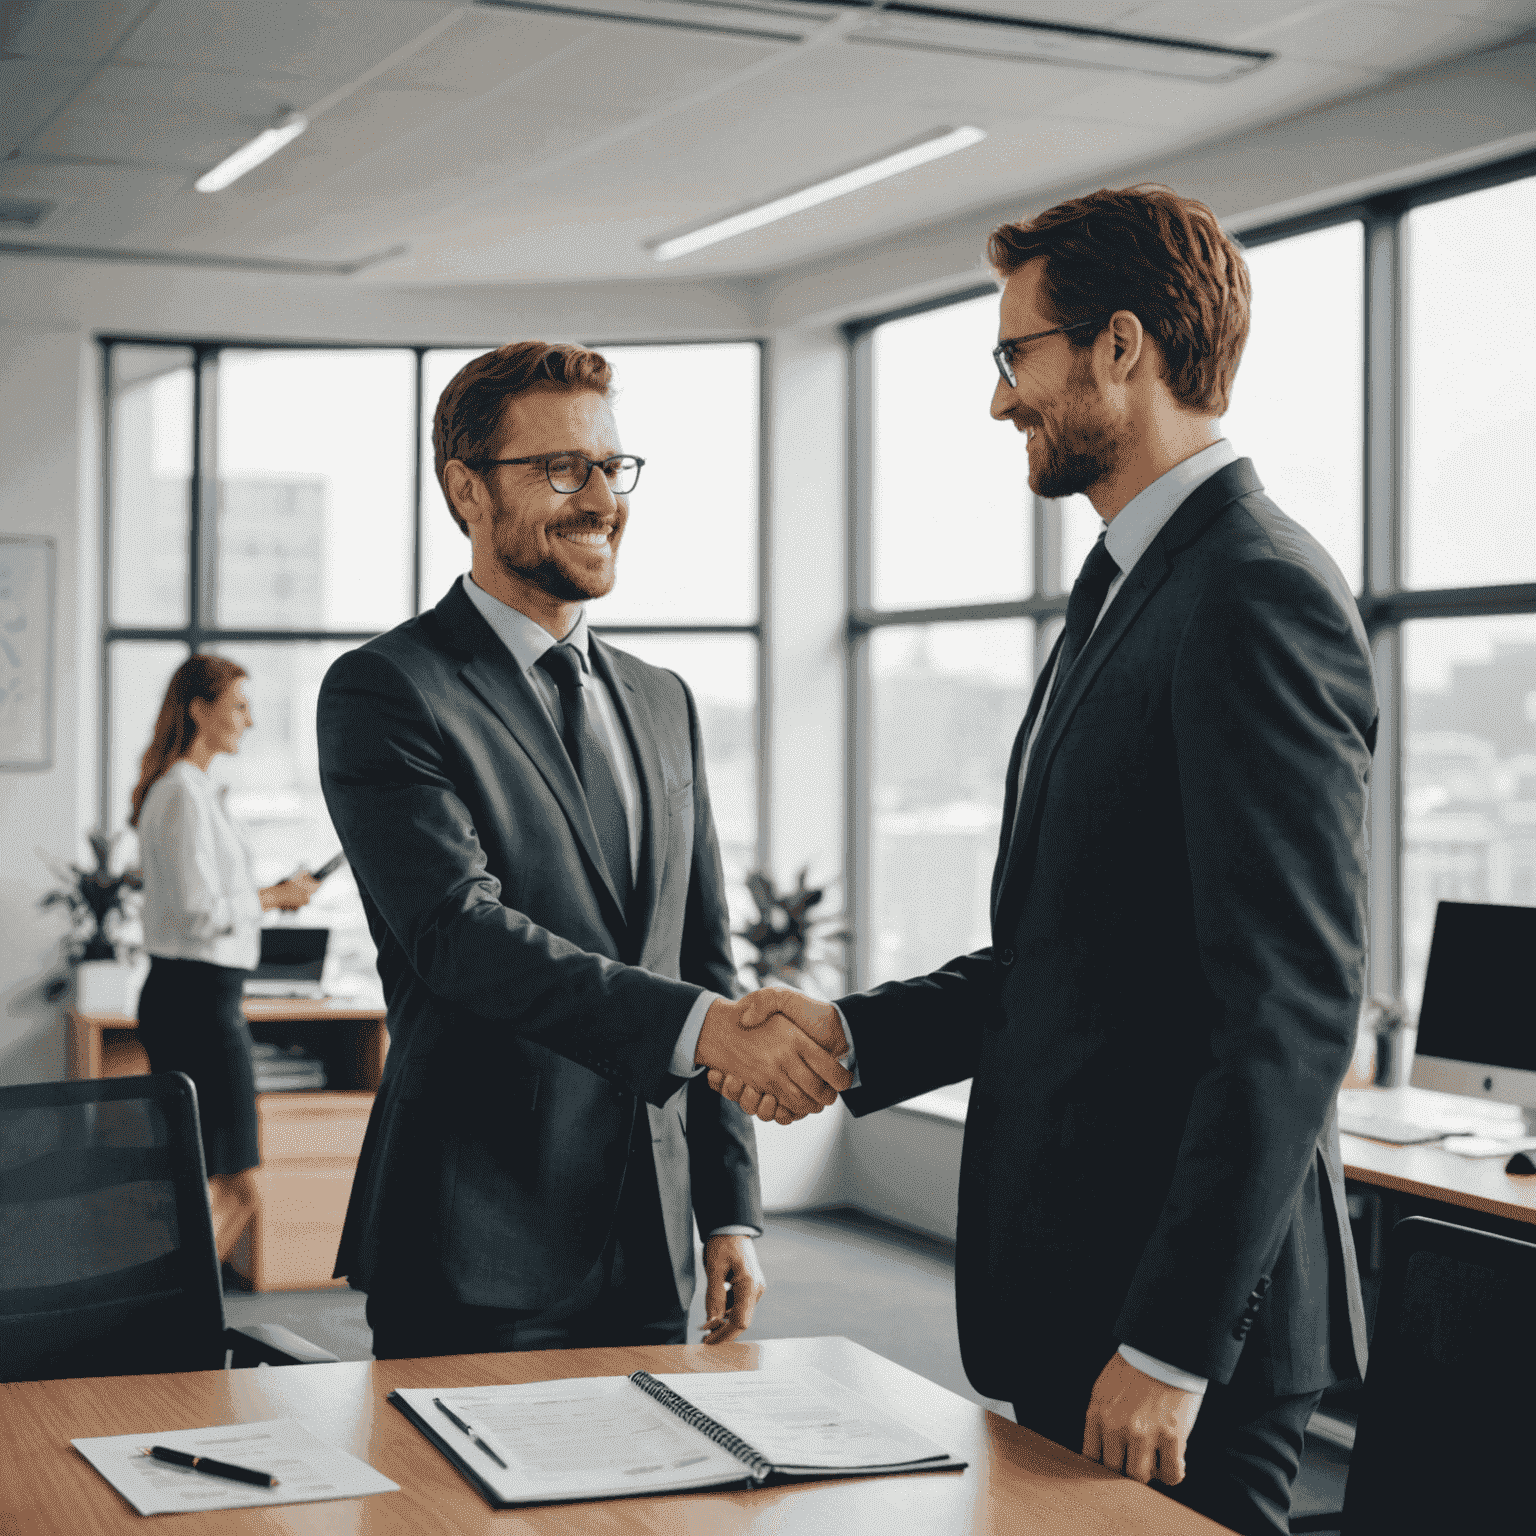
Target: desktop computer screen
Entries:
(1477, 1024)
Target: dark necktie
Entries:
(1088, 591)
(590, 759)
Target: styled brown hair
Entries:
(198, 677)
(1161, 256)
(469, 410)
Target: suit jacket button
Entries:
(1005, 957)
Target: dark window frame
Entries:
(1385, 604)
(197, 635)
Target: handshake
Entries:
(775, 1053)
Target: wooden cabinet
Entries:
(309, 1140)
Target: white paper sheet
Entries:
(307, 1468)
(803, 1419)
(1488, 1146)
(589, 1438)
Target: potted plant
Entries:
(97, 900)
(789, 943)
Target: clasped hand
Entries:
(775, 1054)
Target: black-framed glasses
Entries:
(1002, 353)
(568, 473)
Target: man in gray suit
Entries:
(526, 811)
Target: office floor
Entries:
(829, 1272)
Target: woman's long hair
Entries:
(198, 677)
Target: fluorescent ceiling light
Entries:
(249, 156)
(934, 146)
(937, 29)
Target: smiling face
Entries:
(566, 546)
(221, 724)
(1075, 440)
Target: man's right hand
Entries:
(752, 1042)
(820, 1023)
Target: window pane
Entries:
(274, 793)
(690, 548)
(137, 674)
(1469, 772)
(951, 502)
(444, 548)
(1470, 425)
(1298, 407)
(722, 672)
(151, 484)
(313, 526)
(946, 701)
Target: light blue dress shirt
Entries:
(526, 641)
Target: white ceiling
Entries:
(500, 145)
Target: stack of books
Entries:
(285, 1069)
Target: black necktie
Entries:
(590, 759)
(1088, 591)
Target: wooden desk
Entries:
(1430, 1173)
(1015, 1483)
(309, 1140)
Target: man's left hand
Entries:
(1137, 1425)
(730, 1260)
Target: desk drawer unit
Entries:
(309, 1148)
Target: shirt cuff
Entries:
(682, 1063)
(1160, 1370)
(851, 1059)
(737, 1232)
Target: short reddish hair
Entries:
(470, 409)
(1161, 256)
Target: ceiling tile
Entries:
(31, 91)
(74, 30)
(483, 50)
(308, 39)
(1216, 21)
(105, 205)
(1373, 37)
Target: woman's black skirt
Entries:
(190, 1020)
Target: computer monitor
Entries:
(1477, 1025)
(292, 954)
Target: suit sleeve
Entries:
(412, 844)
(722, 1142)
(1274, 722)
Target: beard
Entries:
(1086, 446)
(545, 573)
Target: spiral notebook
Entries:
(607, 1437)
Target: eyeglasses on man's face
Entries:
(1003, 352)
(568, 473)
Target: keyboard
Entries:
(1387, 1128)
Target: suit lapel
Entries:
(1011, 781)
(635, 713)
(1195, 513)
(491, 674)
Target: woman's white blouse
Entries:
(200, 900)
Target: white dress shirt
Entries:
(200, 899)
(526, 641)
(1127, 538)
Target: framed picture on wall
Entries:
(26, 652)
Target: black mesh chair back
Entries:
(1447, 1433)
(107, 1258)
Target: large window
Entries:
(277, 505)
(1383, 408)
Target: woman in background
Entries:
(202, 925)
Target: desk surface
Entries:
(1016, 1482)
(1474, 1183)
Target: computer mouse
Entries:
(1520, 1163)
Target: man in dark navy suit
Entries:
(526, 811)
(1153, 1261)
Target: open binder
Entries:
(606, 1437)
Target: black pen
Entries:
(208, 1464)
(468, 1431)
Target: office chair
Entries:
(1447, 1424)
(107, 1258)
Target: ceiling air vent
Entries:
(23, 212)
